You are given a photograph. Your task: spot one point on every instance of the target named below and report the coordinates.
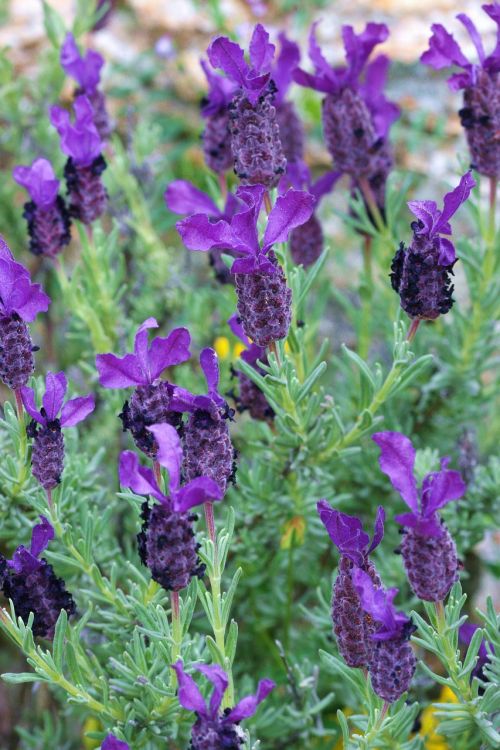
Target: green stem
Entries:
(176, 626)
(290, 588)
(366, 293)
(373, 208)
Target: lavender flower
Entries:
(20, 303)
(208, 450)
(264, 300)
(214, 730)
(46, 214)
(429, 552)
(166, 543)
(215, 110)
(421, 272)
(480, 115)
(86, 71)
(356, 115)
(306, 241)
(47, 458)
(112, 743)
(184, 198)
(32, 585)
(151, 401)
(392, 661)
(290, 127)
(82, 144)
(352, 627)
(250, 397)
(255, 138)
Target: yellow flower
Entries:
(293, 534)
(238, 348)
(221, 346)
(91, 725)
(429, 722)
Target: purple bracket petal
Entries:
(199, 233)
(219, 680)
(55, 391)
(39, 180)
(112, 743)
(209, 363)
(182, 197)
(139, 479)
(119, 372)
(189, 695)
(261, 51)
(169, 351)
(397, 461)
(378, 533)
(41, 535)
(77, 409)
(248, 706)
(289, 211)
(440, 488)
(229, 57)
(198, 491)
(234, 323)
(287, 61)
(169, 453)
(453, 201)
(28, 397)
(345, 531)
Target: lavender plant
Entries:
(324, 359)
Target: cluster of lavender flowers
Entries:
(370, 633)
(48, 214)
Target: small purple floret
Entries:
(112, 743)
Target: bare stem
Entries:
(209, 517)
(157, 473)
(370, 201)
(223, 184)
(413, 329)
(267, 202)
(19, 404)
(493, 201)
(272, 348)
(49, 497)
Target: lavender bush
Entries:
(166, 567)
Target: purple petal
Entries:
(79, 140)
(440, 488)
(23, 561)
(182, 197)
(321, 64)
(40, 182)
(40, 537)
(199, 233)
(244, 222)
(378, 532)
(169, 453)
(18, 294)
(256, 264)
(169, 351)
(282, 72)
(358, 47)
(229, 57)
(55, 391)
(378, 603)
(324, 184)
(198, 491)
(345, 531)
(85, 70)
(289, 211)
(221, 91)
(5, 253)
(218, 678)
(182, 400)
(77, 409)
(383, 111)
(453, 201)
(261, 51)
(189, 696)
(248, 706)
(474, 35)
(28, 397)
(141, 346)
(234, 323)
(447, 254)
(139, 479)
(397, 460)
(427, 212)
(443, 50)
(112, 743)
(119, 372)
(317, 83)
(209, 363)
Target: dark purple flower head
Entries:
(40, 182)
(191, 699)
(333, 80)
(228, 56)
(80, 139)
(69, 415)
(182, 197)
(18, 296)
(444, 51)
(112, 743)
(377, 602)
(141, 479)
(147, 363)
(397, 460)
(86, 70)
(253, 352)
(240, 234)
(346, 532)
(432, 222)
(284, 66)
(221, 90)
